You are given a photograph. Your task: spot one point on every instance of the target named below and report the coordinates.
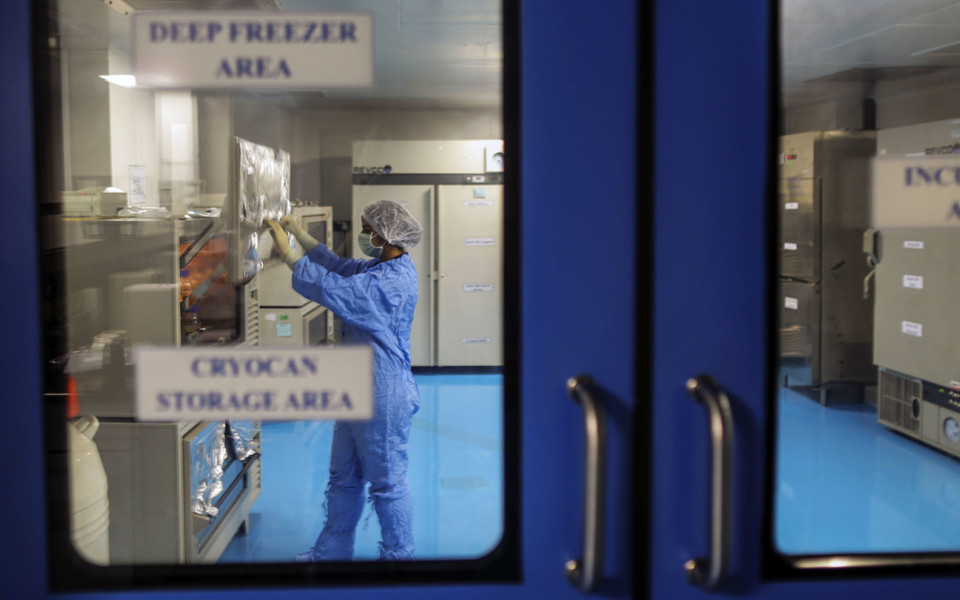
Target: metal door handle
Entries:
(585, 572)
(709, 572)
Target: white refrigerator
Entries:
(455, 190)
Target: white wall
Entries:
(894, 109)
(86, 118)
(176, 126)
(921, 107)
(824, 117)
(133, 136)
(215, 121)
(320, 143)
(332, 133)
(330, 136)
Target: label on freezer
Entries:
(284, 329)
(789, 246)
(913, 245)
(224, 49)
(479, 241)
(792, 205)
(478, 287)
(473, 203)
(476, 340)
(262, 383)
(791, 303)
(913, 281)
(920, 191)
(914, 329)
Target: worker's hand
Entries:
(279, 236)
(305, 240)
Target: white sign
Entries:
(791, 303)
(915, 329)
(921, 191)
(476, 340)
(253, 50)
(913, 245)
(268, 384)
(138, 186)
(791, 205)
(478, 287)
(789, 246)
(478, 241)
(913, 281)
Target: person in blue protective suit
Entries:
(375, 298)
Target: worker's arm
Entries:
(319, 253)
(359, 300)
(306, 241)
(282, 244)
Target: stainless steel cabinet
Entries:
(824, 209)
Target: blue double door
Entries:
(645, 154)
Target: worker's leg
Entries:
(383, 450)
(344, 500)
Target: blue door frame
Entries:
(578, 183)
(701, 286)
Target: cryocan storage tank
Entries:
(89, 506)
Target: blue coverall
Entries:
(376, 301)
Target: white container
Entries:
(89, 506)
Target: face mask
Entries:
(367, 247)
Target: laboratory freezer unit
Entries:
(917, 316)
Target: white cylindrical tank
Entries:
(89, 507)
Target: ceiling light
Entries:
(121, 80)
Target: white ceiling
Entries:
(429, 53)
(448, 53)
(843, 49)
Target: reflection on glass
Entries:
(868, 453)
(160, 236)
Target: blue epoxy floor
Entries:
(455, 473)
(845, 483)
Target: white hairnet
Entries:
(393, 223)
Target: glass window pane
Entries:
(166, 178)
(868, 439)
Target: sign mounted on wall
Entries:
(253, 50)
(265, 384)
(917, 192)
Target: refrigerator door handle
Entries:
(870, 248)
(709, 572)
(585, 572)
